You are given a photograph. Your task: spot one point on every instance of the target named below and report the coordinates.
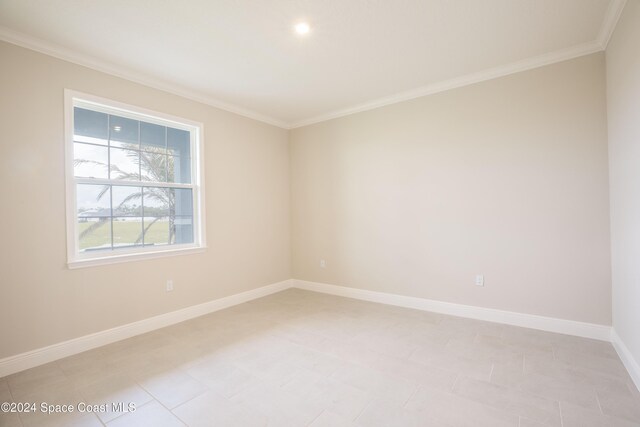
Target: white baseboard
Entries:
(562, 326)
(30, 359)
(57, 351)
(627, 358)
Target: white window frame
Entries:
(77, 259)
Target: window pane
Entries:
(94, 233)
(153, 137)
(178, 142)
(125, 164)
(153, 166)
(157, 201)
(182, 202)
(90, 126)
(182, 230)
(156, 231)
(90, 161)
(179, 169)
(123, 132)
(127, 201)
(115, 148)
(127, 231)
(93, 200)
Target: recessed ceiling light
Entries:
(302, 28)
(117, 128)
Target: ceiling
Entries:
(243, 55)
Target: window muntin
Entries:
(135, 182)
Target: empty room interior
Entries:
(320, 213)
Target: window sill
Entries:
(116, 259)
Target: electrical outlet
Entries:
(323, 263)
(169, 285)
(479, 280)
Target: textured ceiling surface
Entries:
(245, 53)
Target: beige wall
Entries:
(623, 96)
(507, 178)
(247, 211)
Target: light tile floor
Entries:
(299, 358)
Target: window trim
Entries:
(75, 259)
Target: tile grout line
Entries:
(413, 393)
(455, 382)
(127, 413)
(57, 364)
(154, 398)
(13, 400)
(318, 416)
(364, 408)
(598, 400)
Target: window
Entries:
(134, 182)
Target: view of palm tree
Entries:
(127, 153)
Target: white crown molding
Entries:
(627, 358)
(52, 49)
(30, 359)
(614, 11)
(550, 324)
(469, 79)
(610, 21)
